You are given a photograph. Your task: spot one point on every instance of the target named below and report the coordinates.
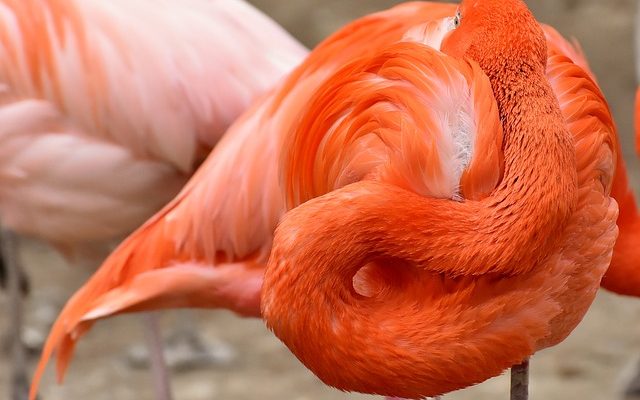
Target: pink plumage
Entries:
(107, 107)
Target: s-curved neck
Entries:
(519, 223)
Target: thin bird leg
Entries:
(520, 381)
(185, 329)
(189, 350)
(19, 381)
(184, 349)
(159, 371)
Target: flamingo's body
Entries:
(106, 108)
(377, 113)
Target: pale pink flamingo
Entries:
(108, 107)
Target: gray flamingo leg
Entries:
(19, 377)
(159, 371)
(520, 381)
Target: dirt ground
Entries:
(589, 365)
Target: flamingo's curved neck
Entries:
(538, 192)
(509, 232)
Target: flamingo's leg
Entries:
(161, 379)
(190, 348)
(19, 379)
(185, 349)
(520, 381)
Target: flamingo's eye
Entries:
(457, 19)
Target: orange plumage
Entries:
(452, 293)
(444, 215)
(107, 108)
(623, 275)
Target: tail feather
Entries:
(150, 271)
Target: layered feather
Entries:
(358, 270)
(107, 108)
(225, 217)
(228, 211)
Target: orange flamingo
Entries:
(436, 234)
(107, 108)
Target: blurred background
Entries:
(591, 365)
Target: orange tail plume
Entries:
(155, 268)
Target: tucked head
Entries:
(498, 34)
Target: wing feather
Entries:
(227, 213)
(126, 99)
(589, 119)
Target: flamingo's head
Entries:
(498, 34)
